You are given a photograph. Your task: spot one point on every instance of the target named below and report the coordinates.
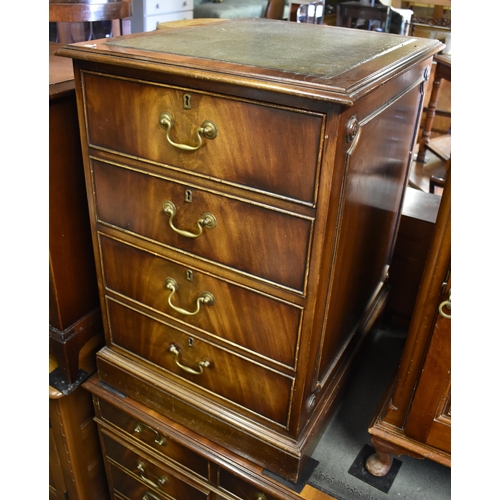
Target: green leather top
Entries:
(305, 49)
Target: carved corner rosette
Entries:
(352, 128)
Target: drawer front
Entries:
(236, 315)
(150, 436)
(266, 148)
(250, 385)
(153, 7)
(240, 488)
(159, 479)
(133, 488)
(260, 241)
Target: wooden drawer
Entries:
(235, 315)
(134, 201)
(240, 488)
(153, 7)
(153, 438)
(133, 488)
(234, 378)
(159, 479)
(267, 148)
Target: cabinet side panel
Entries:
(376, 169)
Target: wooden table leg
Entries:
(429, 118)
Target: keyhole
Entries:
(187, 101)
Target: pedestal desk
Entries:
(245, 181)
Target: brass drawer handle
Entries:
(159, 439)
(205, 298)
(447, 304)
(150, 496)
(207, 220)
(260, 496)
(160, 481)
(207, 130)
(201, 365)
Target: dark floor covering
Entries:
(347, 434)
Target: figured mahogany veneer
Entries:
(286, 154)
(133, 201)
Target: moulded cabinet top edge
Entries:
(318, 61)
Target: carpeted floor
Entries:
(347, 435)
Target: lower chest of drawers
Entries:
(150, 457)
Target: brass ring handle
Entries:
(207, 130)
(141, 467)
(201, 364)
(205, 298)
(260, 496)
(207, 220)
(159, 439)
(148, 495)
(447, 304)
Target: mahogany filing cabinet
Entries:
(245, 182)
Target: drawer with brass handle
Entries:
(239, 142)
(150, 473)
(133, 486)
(240, 488)
(210, 368)
(216, 307)
(167, 447)
(206, 224)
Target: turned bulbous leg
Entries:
(379, 464)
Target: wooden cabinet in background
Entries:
(75, 321)
(76, 466)
(74, 313)
(245, 181)
(414, 238)
(415, 416)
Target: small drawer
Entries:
(134, 488)
(270, 149)
(153, 7)
(231, 312)
(241, 489)
(260, 241)
(154, 438)
(250, 385)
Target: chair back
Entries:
(312, 13)
(357, 15)
(275, 9)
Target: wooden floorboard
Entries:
(310, 493)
